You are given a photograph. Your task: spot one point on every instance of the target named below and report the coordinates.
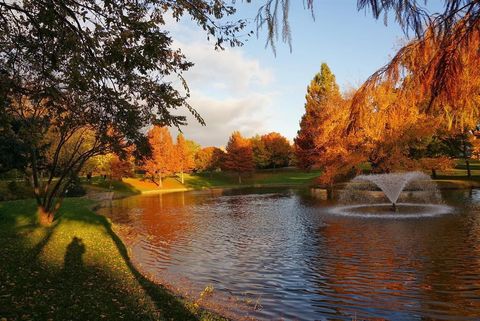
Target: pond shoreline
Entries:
(127, 238)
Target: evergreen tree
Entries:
(322, 95)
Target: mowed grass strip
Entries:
(263, 178)
(77, 269)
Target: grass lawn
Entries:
(77, 269)
(456, 178)
(132, 186)
(260, 178)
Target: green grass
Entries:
(77, 269)
(259, 178)
(21, 189)
(461, 169)
(120, 188)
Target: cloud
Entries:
(230, 90)
(247, 114)
(229, 70)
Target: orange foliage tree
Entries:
(184, 159)
(209, 159)
(437, 75)
(277, 149)
(322, 101)
(162, 161)
(239, 157)
(321, 141)
(120, 168)
(260, 154)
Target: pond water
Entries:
(280, 254)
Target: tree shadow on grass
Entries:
(171, 307)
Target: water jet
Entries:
(394, 207)
(392, 195)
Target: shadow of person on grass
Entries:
(73, 261)
(171, 306)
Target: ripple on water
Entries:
(385, 210)
(283, 257)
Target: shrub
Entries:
(75, 188)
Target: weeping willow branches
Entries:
(437, 73)
(411, 15)
(274, 15)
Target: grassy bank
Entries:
(77, 269)
(132, 186)
(457, 178)
(280, 177)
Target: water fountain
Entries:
(397, 195)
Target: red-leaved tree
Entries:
(239, 157)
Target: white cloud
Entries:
(223, 116)
(230, 90)
(228, 69)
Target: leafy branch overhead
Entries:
(91, 75)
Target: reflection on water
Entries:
(281, 250)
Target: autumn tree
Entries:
(437, 74)
(162, 161)
(239, 157)
(120, 168)
(184, 157)
(99, 165)
(323, 101)
(209, 159)
(260, 154)
(193, 147)
(278, 150)
(437, 70)
(321, 141)
(103, 67)
(111, 165)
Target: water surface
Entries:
(273, 254)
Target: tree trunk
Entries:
(434, 173)
(330, 192)
(469, 172)
(181, 177)
(160, 183)
(44, 216)
(239, 179)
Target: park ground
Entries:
(455, 178)
(78, 268)
(199, 181)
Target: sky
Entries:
(251, 90)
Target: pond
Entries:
(280, 254)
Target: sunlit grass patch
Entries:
(265, 177)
